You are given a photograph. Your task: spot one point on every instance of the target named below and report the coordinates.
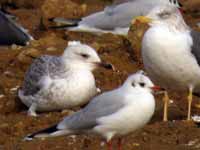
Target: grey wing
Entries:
(42, 66)
(196, 45)
(102, 105)
(118, 16)
(12, 33)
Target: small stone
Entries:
(14, 89)
(51, 49)
(67, 112)
(4, 125)
(35, 43)
(193, 142)
(84, 7)
(198, 24)
(28, 55)
(13, 46)
(2, 96)
(135, 144)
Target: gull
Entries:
(171, 52)
(56, 83)
(115, 18)
(11, 32)
(112, 114)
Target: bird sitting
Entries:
(56, 83)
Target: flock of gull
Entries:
(171, 57)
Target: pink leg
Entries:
(119, 143)
(109, 145)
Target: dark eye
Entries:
(133, 84)
(142, 84)
(84, 55)
(164, 15)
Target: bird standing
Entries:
(111, 114)
(171, 52)
(56, 83)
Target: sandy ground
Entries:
(14, 60)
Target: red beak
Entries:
(156, 88)
(182, 10)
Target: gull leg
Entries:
(166, 103)
(189, 103)
(109, 145)
(32, 110)
(119, 143)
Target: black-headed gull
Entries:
(112, 114)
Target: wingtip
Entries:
(28, 138)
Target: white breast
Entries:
(168, 59)
(137, 112)
(74, 90)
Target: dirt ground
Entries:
(175, 134)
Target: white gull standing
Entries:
(171, 52)
(115, 18)
(56, 83)
(111, 114)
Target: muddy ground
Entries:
(175, 134)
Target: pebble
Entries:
(14, 89)
(198, 24)
(51, 49)
(26, 56)
(192, 142)
(2, 96)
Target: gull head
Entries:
(141, 82)
(175, 3)
(165, 15)
(82, 56)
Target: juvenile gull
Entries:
(115, 18)
(171, 52)
(112, 114)
(11, 32)
(56, 83)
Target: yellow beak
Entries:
(141, 19)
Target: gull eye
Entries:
(180, 4)
(133, 84)
(142, 84)
(164, 15)
(84, 55)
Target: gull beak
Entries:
(141, 19)
(157, 88)
(182, 10)
(105, 65)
